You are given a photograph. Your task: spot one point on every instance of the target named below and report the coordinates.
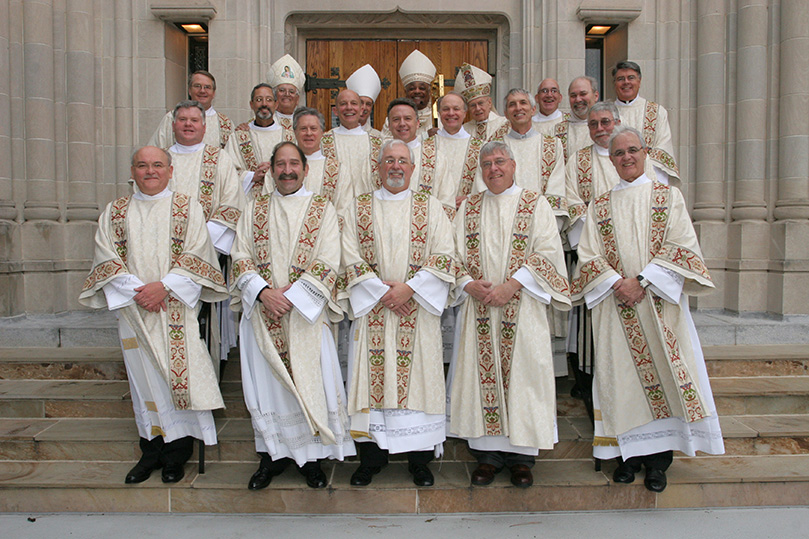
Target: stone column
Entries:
(122, 133)
(789, 248)
(709, 180)
(7, 209)
(748, 235)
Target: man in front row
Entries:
(501, 383)
(639, 260)
(398, 262)
(285, 265)
(153, 263)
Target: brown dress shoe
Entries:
(521, 476)
(484, 474)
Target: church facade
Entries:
(85, 82)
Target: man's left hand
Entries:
(397, 297)
(152, 297)
(502, 293)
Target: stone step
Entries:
(560, 485)
(757, 360)
(761, 395)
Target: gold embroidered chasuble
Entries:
(286, 239)
(644, 358)
(397, 361)
(149, 239)
(357, 155)
(572, 133)
(548, 127)
(326, 179)
(503, 380)
(652, 120)
(248, 147)
(488, 128)
(209, 175)
(448, 168)
(288, 134)
(218, 129)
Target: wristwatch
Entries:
(643, 281)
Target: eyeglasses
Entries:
(260, 100)
(632, 150)
(198, 86)
(549, 90)
(630, 78)
(500, 162)
(287, 91)
(402, 161)
(605, 122)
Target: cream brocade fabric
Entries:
(263, 142)
(578, 136)
(634, 116)
(624, 403)
(450, 156)
(494, 123)
(391, 226)
(149, 238)
(285, 218)
(343, 194)
(227, 191)
(353, 154)
(529, 412)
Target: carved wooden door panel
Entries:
(330, 62)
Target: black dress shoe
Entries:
(139, 473)
(422, 476)
(172, 473)
(261, 478)
(623, 474)
(364, 475)
(484, 474)
(521, 476)
(655, 480)
(315, 477)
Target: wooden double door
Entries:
(331, 61)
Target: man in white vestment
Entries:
(639, 260)
(403, 121)
(324, 177)
(417, 73)
(355, 148)
(582, 94)
(201, 88)
(365, 81)
(475, 85)
(287, 79)
(501, 382)
(208, 174)
(153, 263)
(548, 114)
(252, 143)
(399, 268)
(648, 117)
(285, 265)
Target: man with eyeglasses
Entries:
(201, 88)
(511, 267)
(398, 263)
(639, 260)
(252, 142)
(475, 85)
(287, 78)
(648, 117)
(548, 99)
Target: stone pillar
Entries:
(709, 180)
(789, 273)
(123, 130)
(7, 209)
(748, 235)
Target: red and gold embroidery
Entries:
(286, 124)
(650, 115)
(561, 130)
(225, 129)
(428, 159)
(210, 160)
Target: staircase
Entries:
(67, 438)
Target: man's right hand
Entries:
(478, 289)
(274, 301)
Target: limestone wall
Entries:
(82, 82)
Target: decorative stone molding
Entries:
(609, 11)
(183, 10)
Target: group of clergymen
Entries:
(392, 228)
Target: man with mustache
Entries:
(253, 142)
(398, 270)
(285, 265)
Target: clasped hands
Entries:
(629, 292)
(397, 297)
(496, 296)
(151, 297)
(274, 301)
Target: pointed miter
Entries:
(287, 71)
(365, 81)
(416, 68)
(473, 82)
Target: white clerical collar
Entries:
(383, 194)
(275, 126)
(414, 144)
(600, 150)
(342, 130)
(461, 134)
(575, 120)
(626, 103)
(280, 114)
(316, 156)
(640, 180)
(366, 127)
(138, 195)
(180, 148)
(539, 117)
(210, 111)
(510, 191)
(531, 133)
(302, 192)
